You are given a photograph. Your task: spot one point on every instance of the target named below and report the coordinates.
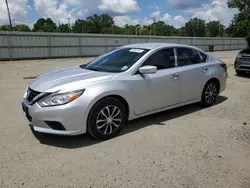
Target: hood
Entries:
(69, 77)
(246, 51)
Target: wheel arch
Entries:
(216, 80)
(120, 98)
(123, 99)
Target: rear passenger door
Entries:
(194, 73)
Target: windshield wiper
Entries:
(93, 69)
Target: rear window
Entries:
(203, 57)
(189, 56)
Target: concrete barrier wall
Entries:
(32, 45)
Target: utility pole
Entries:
(9, 13)
(69, 23)
(220, 28)
(154, 18)
(150, 34)
(194, 39)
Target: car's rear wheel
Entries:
(106, 118)
(210, 93)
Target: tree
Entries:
(96, 23)
(22, 27)
(63, 28)
(46, 25)
(181, 32)
(240, 26)
(242, 5)
(39, 23)
(215, 28)
(112, 30)
(81, 26)
(160, 28)
(129, 29)
(5, 28)
(16, 28)
(195, 28)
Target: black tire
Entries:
(209, 93)
(96, 115)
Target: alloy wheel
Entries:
(211, 93)
(109, 119)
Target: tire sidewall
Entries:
(91, 123)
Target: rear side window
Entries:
(162, 59)
(187, 56)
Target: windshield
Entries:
(118, 60)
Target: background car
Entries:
(242, 62)
(127, 83)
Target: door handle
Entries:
(205, 69)
(175, 76)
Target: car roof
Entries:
(151, 46)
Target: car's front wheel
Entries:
(210, 93)
(106, 118)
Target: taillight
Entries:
(224, 66)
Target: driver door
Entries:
(155, 91)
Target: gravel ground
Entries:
(187, 147)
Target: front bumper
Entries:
(242, 65)
(72, 118)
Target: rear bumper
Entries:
(223, 82)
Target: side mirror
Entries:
(148, 69)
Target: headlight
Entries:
(25, 93)
(239, 55)
(60, 98)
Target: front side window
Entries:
(187, 56)
(162, 59)
(118, 60)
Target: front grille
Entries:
(245, 67)
(245, 58)
(31, 94)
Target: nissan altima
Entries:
(126, 83)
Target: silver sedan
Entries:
(124, 84)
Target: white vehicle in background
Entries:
(129, 82)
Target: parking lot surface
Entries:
(188, 147)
